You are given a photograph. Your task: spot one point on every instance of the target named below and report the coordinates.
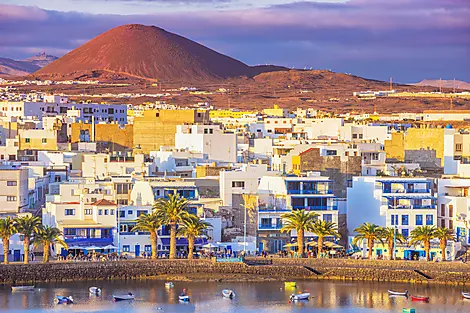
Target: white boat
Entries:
(169, 284)
(300, 296)
(466, 295)
(397, 293)
(184, 298)
(95, 290)
(127, 297)
(22, 288)
(64, 300)
(227, 293)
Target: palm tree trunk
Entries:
(391, 247)
(190, 247)
(426, 249)
(300, 242)
(370, 245)
(173, 241)
(6, 249)
(320, 246)
(153, 241)
(443, 245)
(46, 252)
(26, 250)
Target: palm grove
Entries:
(171, 211)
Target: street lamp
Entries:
(394, 242)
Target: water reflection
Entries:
(152, 296)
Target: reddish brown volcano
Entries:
(144, 52)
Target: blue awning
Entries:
(183, 241)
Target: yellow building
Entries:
(276, 111)
(37, 139)
(229, 113)
(114, 136)
(156, 128)
(415, 143)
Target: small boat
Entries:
(419, 298)
(22, 288)
(169, 284)
(397, 293)
(95, 290)
(127, 297)
(290, 284)
(64, 300)
(184, 298)
(227, 293)
(408, 310)
(466, 295)
(300, 296)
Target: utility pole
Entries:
(391, 83)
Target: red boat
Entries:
(418, 298)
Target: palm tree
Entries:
(424, 235)
(191, 228)
(324, 229)
(28, 226)
(300, 221)
(7, 229)
(171, 211)
(369, 232)
(151, 224)
(444, 235)
(47, 236)
(389, 235)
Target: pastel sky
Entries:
(407, 39)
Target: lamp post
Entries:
(394, 242)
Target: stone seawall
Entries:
(258, 270)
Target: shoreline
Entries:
(252, 270)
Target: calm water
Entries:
(151, 296)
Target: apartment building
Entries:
(14, 194)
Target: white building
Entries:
(210, 140)
(102, 165)
(14, 189)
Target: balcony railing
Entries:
(70, 239)
(273, 209)
(316, 207)
(309, 192)
(406, 191)
(412, 207)
(269, 227)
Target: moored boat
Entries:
(64, 300)
(420, 298)
(184, 298)
(169, 284)
(466, 295)
(290, 284)
(95, 290)
(300, 296)
(398, 293)
(227, 293)
(408, 310)
(127, 297)
(22, 288)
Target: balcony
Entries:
(269, 227)
(316, 208)
(89, 240)
(309, 192)
(273, 210)
(413, 207)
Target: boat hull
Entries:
(184, 298)
(22, 288)
(123, 298)
(466, 295)
(64, 300)
(95, 290)
(396, 293)
(422, 299)
(300, 297)
(228, 294)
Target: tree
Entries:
(324, 229)
(149, 223)
(369, 232)
(424, 235)
(171, 211)
(47, 236)
(191, 228)
(300, 221)
(388, 234)
(28, 226)
(444, 235)
(7, 229)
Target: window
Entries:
(458, 147)
(206, 131)
(88, 211)
(451, 210)
(106, 212)
(157, 114)
(429, 219)
(443, 210)
(44, 140)
(111, 212)
(122, 202)
(451, 224)
(211, 131)
(238, 184)
(69, 212)
(405, 232)
(148, 248)
(330, 152)
(394, 219)
(57, 179)
(361, 136)
(354, 136)
(129, 212)
(100, 212)
(11, 198)
(126, 248)
(27, 140)
(328, 217)
(122, 213)
(419, 220)
(11, 183)
(404, 220)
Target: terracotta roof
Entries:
(306, 151)
(103, 202)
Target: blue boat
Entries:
(64, 300)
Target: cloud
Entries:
(375, 38)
